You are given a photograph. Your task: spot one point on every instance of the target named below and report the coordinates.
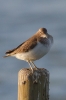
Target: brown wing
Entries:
(24, 47)
(10, 51)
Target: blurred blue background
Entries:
(19, 20)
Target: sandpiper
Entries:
(34, 48)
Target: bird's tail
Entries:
(8, 53)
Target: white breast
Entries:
(39, 51)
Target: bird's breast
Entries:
(36, 53)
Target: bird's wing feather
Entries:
(24, 47)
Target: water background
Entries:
(19, 20)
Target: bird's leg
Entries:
(33, 64)
(30, 65)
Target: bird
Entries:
(34, 48)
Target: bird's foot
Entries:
(34, 65)
(36, 68)
(32, 69)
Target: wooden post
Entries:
(33, 86)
